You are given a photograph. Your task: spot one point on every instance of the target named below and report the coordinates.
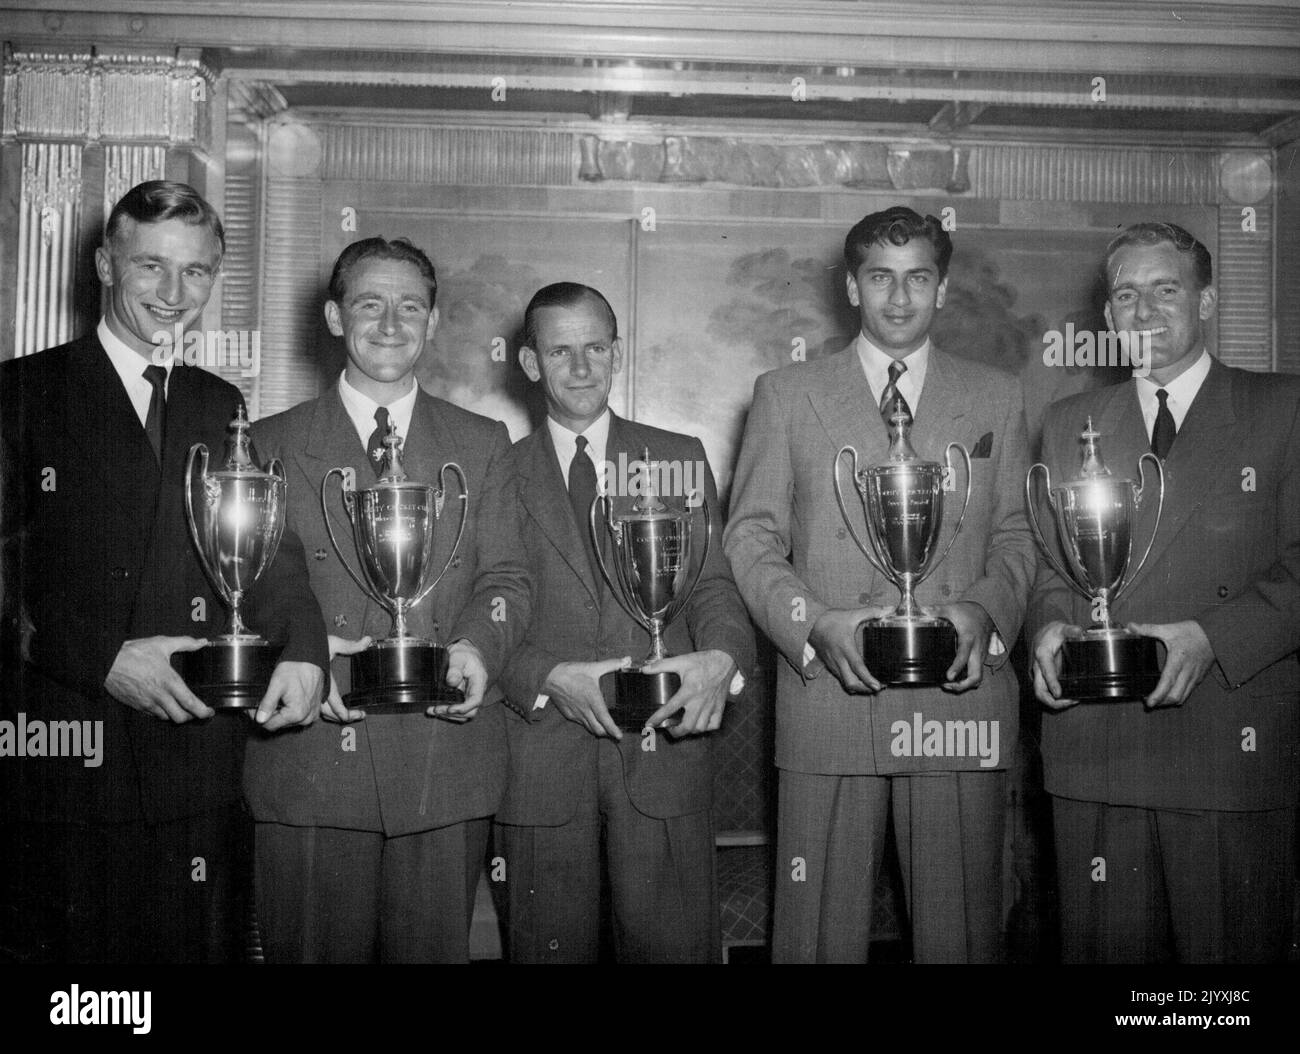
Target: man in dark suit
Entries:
(845, 748)
(371, 836)
(582, 794)
(1176, 820)
(134, 858)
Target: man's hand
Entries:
(293, 696)
(974, 628)
(1047, 663)
(1190, 656)
(834, 638)
(574, 689)
(467, 671)
(334, 709)
(142, 678)
(706, 678)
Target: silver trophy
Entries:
(651, 547)
(236, 517)
(903, 503)
(1094, 516)
(393, 524)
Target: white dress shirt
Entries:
(361, 409)
(876, 363)
(1182, 390)
(130, 366)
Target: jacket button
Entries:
(435, 625)
(320, 554)
(340, 620)
(1223, 591)
(839, 533)
(455, 562)
(120, 573)
(945, 590)
(553, 944)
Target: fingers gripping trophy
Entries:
(651, 548)
(903, 502)
(1094, 515)
(393, 530)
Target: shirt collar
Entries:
(876, 363)
(129, 363)
(361, 409)
(565, 441)
(1182, 389)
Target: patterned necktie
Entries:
(155, 421)
(892, 394)
(1164, 432)
(375, 448)
(582, 492)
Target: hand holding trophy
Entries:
(1094, 515)
(903, 502)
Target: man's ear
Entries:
(1110, 319)
(942, 294)
(851, 287)
(528, 360)
(616, 356)
(433, 324)
(104, 265)
(1209, 303)
(333, 319)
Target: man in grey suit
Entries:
(371, 831)
(586, 799)
(1175, 820)
(846, 748)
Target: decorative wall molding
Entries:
(48, 224)
(125, 166)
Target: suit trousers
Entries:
(328, 895)
(137, 892)
(830, 841)
(661, 873)
(1192, 886)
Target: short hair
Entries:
(896, 226)
(563, 294)
(381, 249)
(1156, 233)
(158, 200)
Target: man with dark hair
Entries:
(1175, 820)
(371, 836)
(133, 856)
(844, 747)
(583, 796)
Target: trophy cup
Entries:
(393, 524)
(903, 503)
(235, 525)
(1094, 516)
(651, 553)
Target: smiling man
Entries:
(371, 830)
(1186, 803)
(810, 589)
(138, 859)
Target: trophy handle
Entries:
(1160, 508)
(365, 587)
(678, 605)
(275, 467)
(873, 557)
(1031, 510)
(199, 452)
(619, 587)
(961, 517)
(460, 531)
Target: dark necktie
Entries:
(1162, 435)
(375, 448)
(891, 394)
(582, 492)
(155, 421)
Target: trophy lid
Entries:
(238, 455)
(392, 468)
(900, 442)
(646, 505)
(1092, 465)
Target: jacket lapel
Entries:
(431, 445)
(940, 416)
(545, 493)
(847, 410)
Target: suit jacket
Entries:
(550, 756)
(1227, 554)
(407, 772)
(98, 552)
(793, 557)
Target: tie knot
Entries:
(1162, 396)
(581, 442)
(381, 418)
(896, 369)
(157, 376)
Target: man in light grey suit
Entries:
(1175, 822)
(846, 748)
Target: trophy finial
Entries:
(391, 458)
(647, 503)
(1092, 462)
(238, 456)
(900, 443)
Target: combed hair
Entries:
(563, 294)
(896, 226)
(381, 249)
(159, 200)
(1156, 233)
